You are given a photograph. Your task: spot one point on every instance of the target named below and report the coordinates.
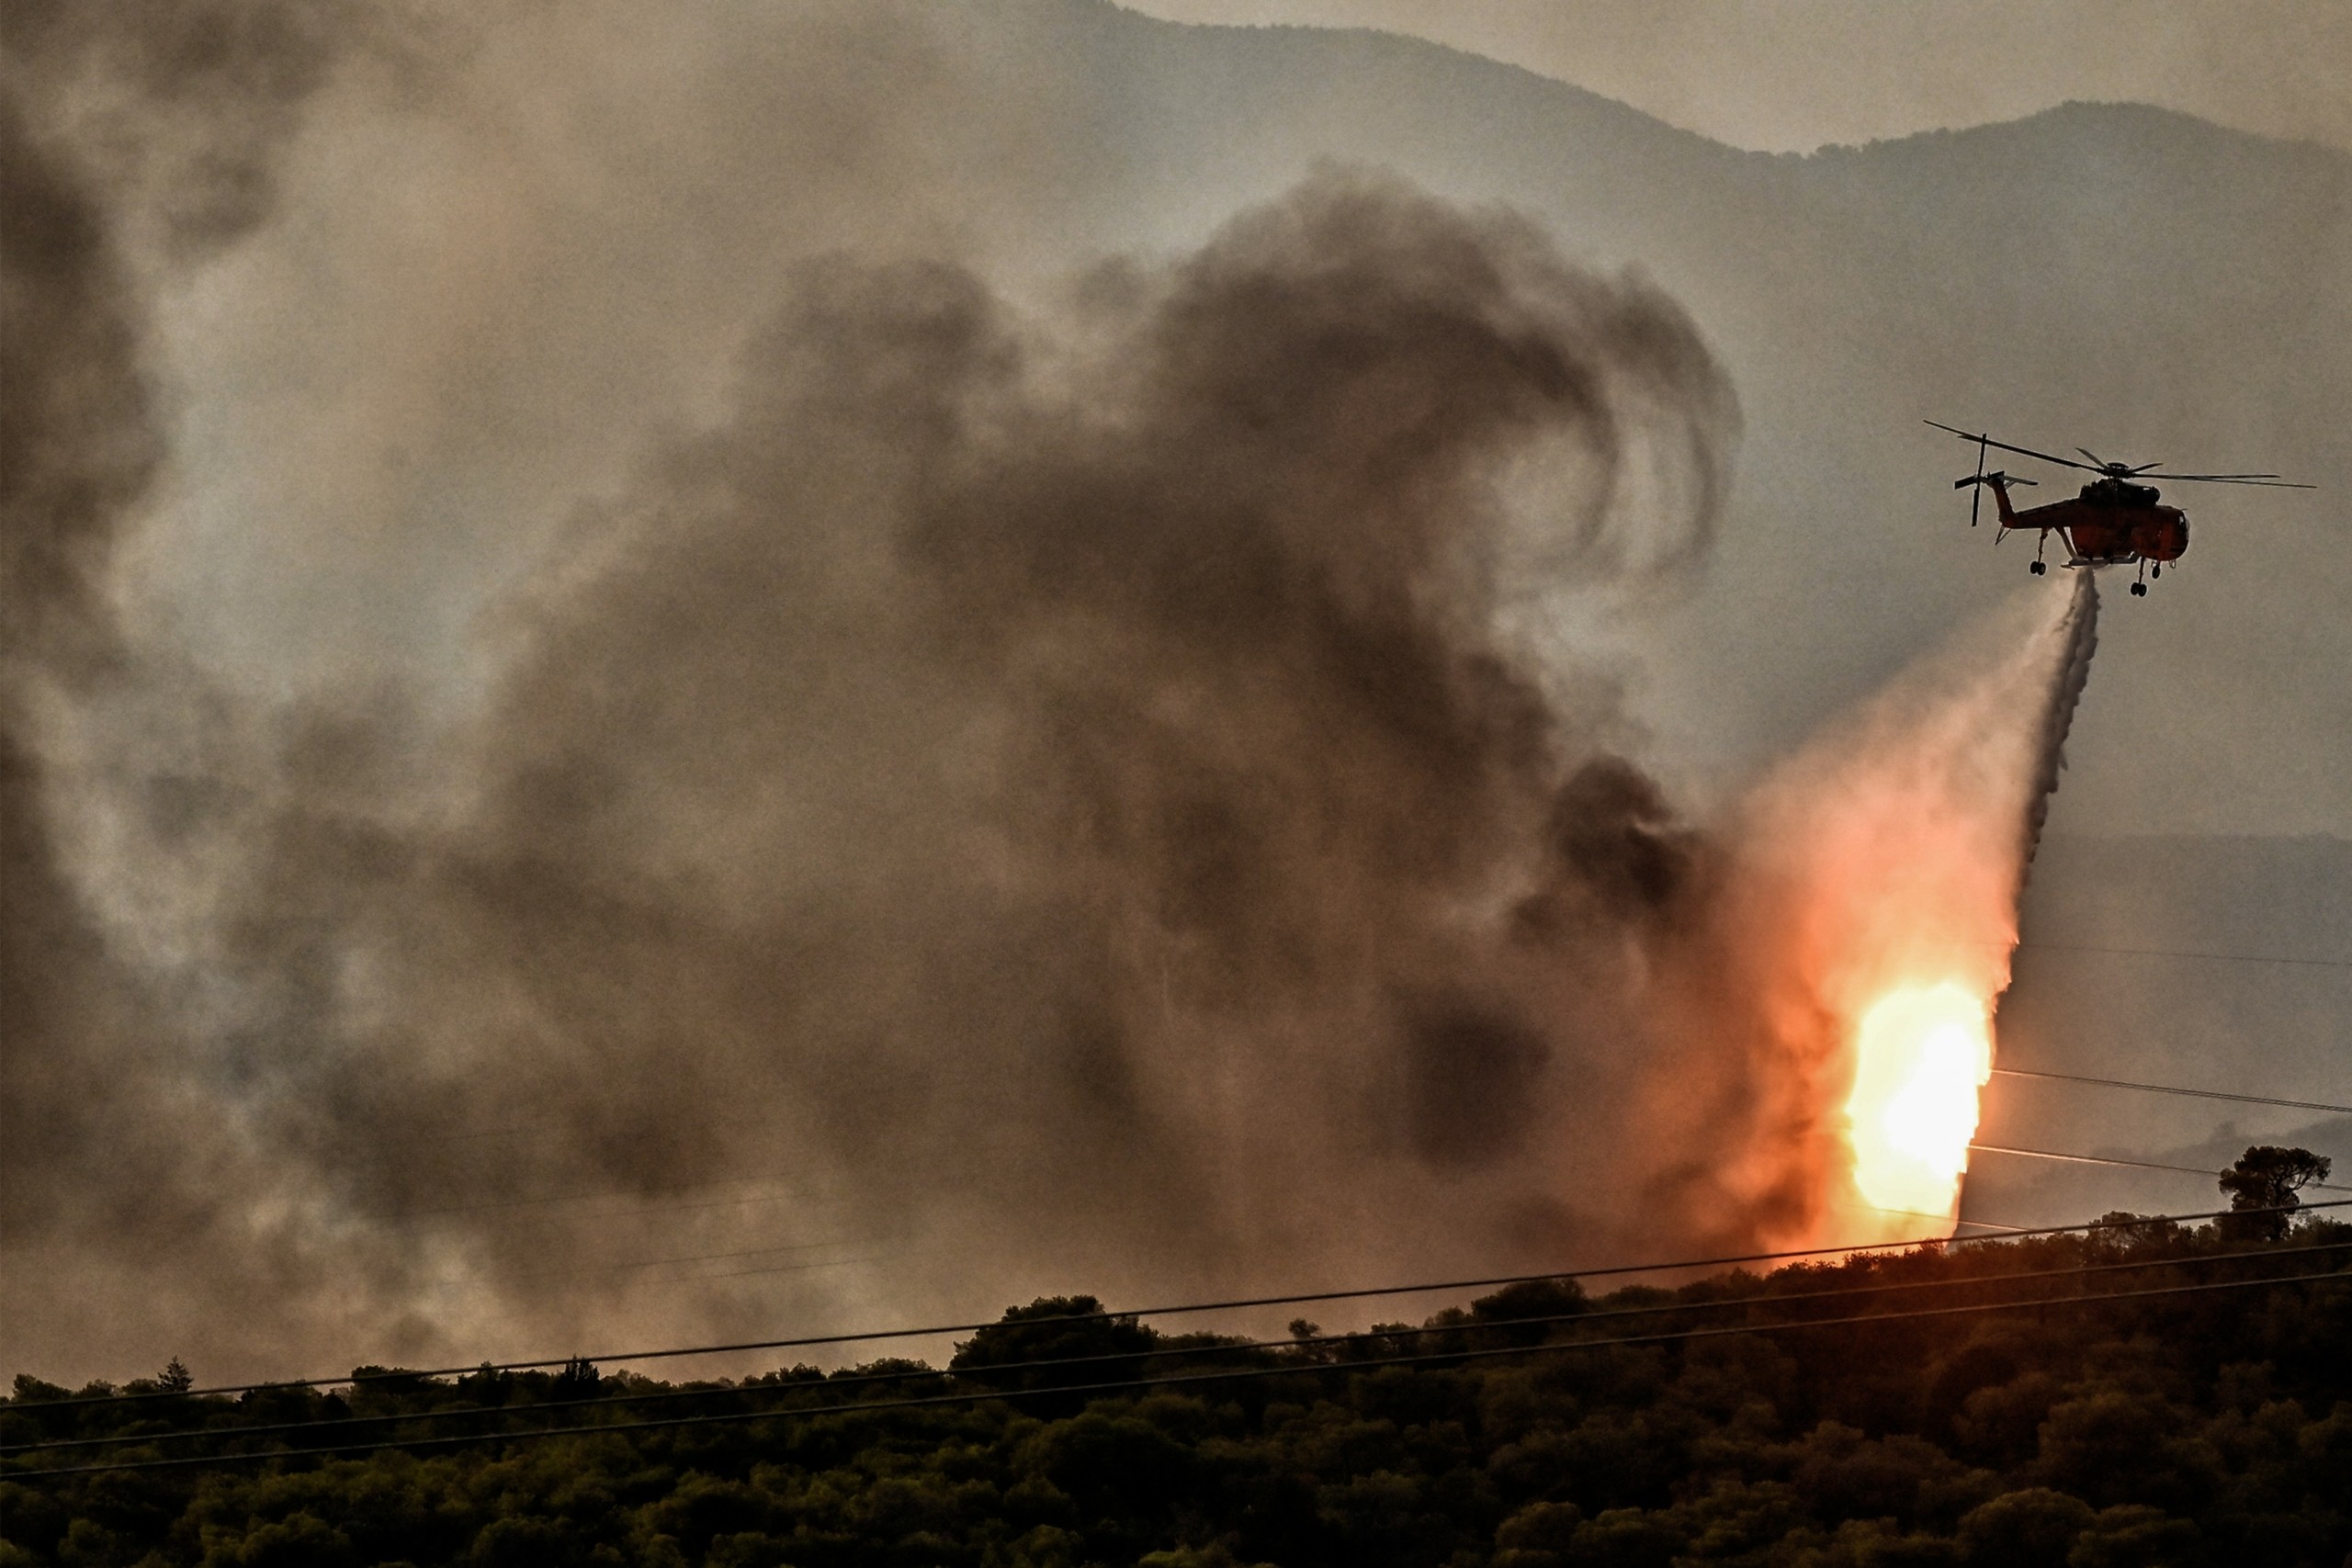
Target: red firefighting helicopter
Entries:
(2112, 522)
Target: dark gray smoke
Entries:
(1061, 778)
(1033, 801)
(1092, 795)
(173, 109)
(74, 446)
(157, 118)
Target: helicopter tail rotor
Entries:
(1998, 480)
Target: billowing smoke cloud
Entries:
(174, 110)
(73, 445)
(1062, 796)
(1050, 792)
(155, 1172)
(89, 98)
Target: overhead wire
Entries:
(406, 1215)
(1924, 1214)
(1379, 1332)
(519, 1129)
(2173, 1088)
(1169, 1381)
(2134, 1164)
(936, 1331)
(402, 1216)
(2175, 953)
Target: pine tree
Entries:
(2266, 1179)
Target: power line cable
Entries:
(787, 1268)
(518, 1129)
(1171, 1380)
(2175, 953)
(2172, 1089)
(1762, 1298)
(401, 1216)
(602, 1270)
(978, 1396)
(937, 1331)
(2134, 1164)
(1924, 1214)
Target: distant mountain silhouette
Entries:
(2120, 276)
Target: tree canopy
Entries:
(2140, 1392)
(2269, 1181)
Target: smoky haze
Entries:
(1066, 771)
(187, 1125)
(1046, 797)
(92, 107)
(1078, 786)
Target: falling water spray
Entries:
(1873, 910)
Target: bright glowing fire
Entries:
(1874, 908)
(1920, 1054)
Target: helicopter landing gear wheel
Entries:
(2139, 591)
(2038, 567)
(2156, 570)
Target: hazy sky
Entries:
(1791, 76)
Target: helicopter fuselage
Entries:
(2111, 522)
(2114, 521)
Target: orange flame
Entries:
(1871, 917)
(1920, 1053)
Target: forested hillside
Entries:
(2132, 1393)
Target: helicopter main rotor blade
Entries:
(2103, 463)
(2020, 451)
(2273, 480)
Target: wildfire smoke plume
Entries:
(1017, 799)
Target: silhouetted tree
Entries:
(1308, 1344)
(1538, 1299)
(579, 1380)
(1056, 1328)
(176, 1377)
(2269, 1177)
(2121, 1230)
